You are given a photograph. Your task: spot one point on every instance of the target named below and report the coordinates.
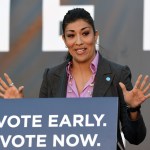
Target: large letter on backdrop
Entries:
(53, 14)
(4, 25)
(146, 26)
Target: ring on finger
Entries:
(11, 84)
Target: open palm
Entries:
(137, 95)
(9, 90)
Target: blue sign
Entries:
(59, 124)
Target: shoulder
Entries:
(56, 70)
(121, 73)
(117, 68)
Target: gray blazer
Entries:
(55, 84)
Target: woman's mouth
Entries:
(80, 50)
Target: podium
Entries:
(59, 123)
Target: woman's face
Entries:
(80, 39)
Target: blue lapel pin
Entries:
(108, 79)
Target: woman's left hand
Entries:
(137, 95)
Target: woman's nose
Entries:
(79, 40)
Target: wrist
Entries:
(133, 109)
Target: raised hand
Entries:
(9, 90)
(137, 95)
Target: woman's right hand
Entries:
(9, 90)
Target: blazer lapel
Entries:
(103, 78)
(60, 82)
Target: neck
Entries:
(81, 66)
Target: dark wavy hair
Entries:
(73, 15)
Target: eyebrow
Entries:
(81, 29)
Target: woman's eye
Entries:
(86, 33)
(70, 35)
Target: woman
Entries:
(85, 73)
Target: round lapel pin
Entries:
(107, 78)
